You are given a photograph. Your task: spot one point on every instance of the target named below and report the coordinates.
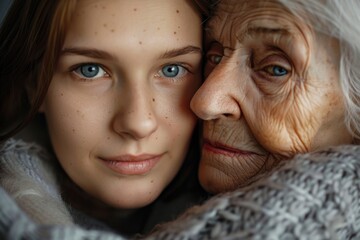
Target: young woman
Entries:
(113, 80)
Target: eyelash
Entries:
(76, 70)
(184, 71)
(268, 67)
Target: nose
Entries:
(137, 117)
(217, 97)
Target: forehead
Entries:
(128, 19)
(236, 18)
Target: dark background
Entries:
(4, 5)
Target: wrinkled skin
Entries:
(121, 132)
(271, 91)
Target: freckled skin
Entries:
(265, 118)
(115, 113)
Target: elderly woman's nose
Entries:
(214, 100)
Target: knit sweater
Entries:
(313, 196)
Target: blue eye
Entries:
(172, 71)
(90, 71)
(279, 71)
(215, 59)
(276, 71)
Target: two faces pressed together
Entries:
(120, 105)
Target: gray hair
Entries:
(341, 20)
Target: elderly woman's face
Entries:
(272, 90)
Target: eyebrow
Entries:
(96, 53)
(181, 51)
(267, 30)
(88, 52)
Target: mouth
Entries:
(132, 165)
(218, 148)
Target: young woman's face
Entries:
(118, 105)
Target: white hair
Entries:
(339, 19)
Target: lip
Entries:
(218, 148)
(131, 164)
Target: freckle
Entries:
(166, 117)
(95, 33)
(144, 30)
(149, 193)
(105, 25)
(178, 27)
(113, 15)
(177, 39)
(96, 6)
(174, 33)
(152, 181)
(153, 99)
(237, 63)
(73, 130)
(61, 94)
(140, 42)
(156, 138)
(112, 30)
(108, 138)
(135, 9)
(77, 111)
(177, 11)
(103, 7)
(150, 114)
(158, 28)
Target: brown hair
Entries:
(205, 7)
(31, 37)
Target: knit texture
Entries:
(313, 196)
(27, 174)
(16, 225)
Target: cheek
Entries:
(72, 122)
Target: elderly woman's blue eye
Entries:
(215, 59)
(278, 71)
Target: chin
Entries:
(214, 181)
(130, 199)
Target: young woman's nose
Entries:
(215, 98)
(136, 118)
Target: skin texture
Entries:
(271, 91)
(129, 109)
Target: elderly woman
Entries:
(282, 81)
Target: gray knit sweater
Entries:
(313, 196)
